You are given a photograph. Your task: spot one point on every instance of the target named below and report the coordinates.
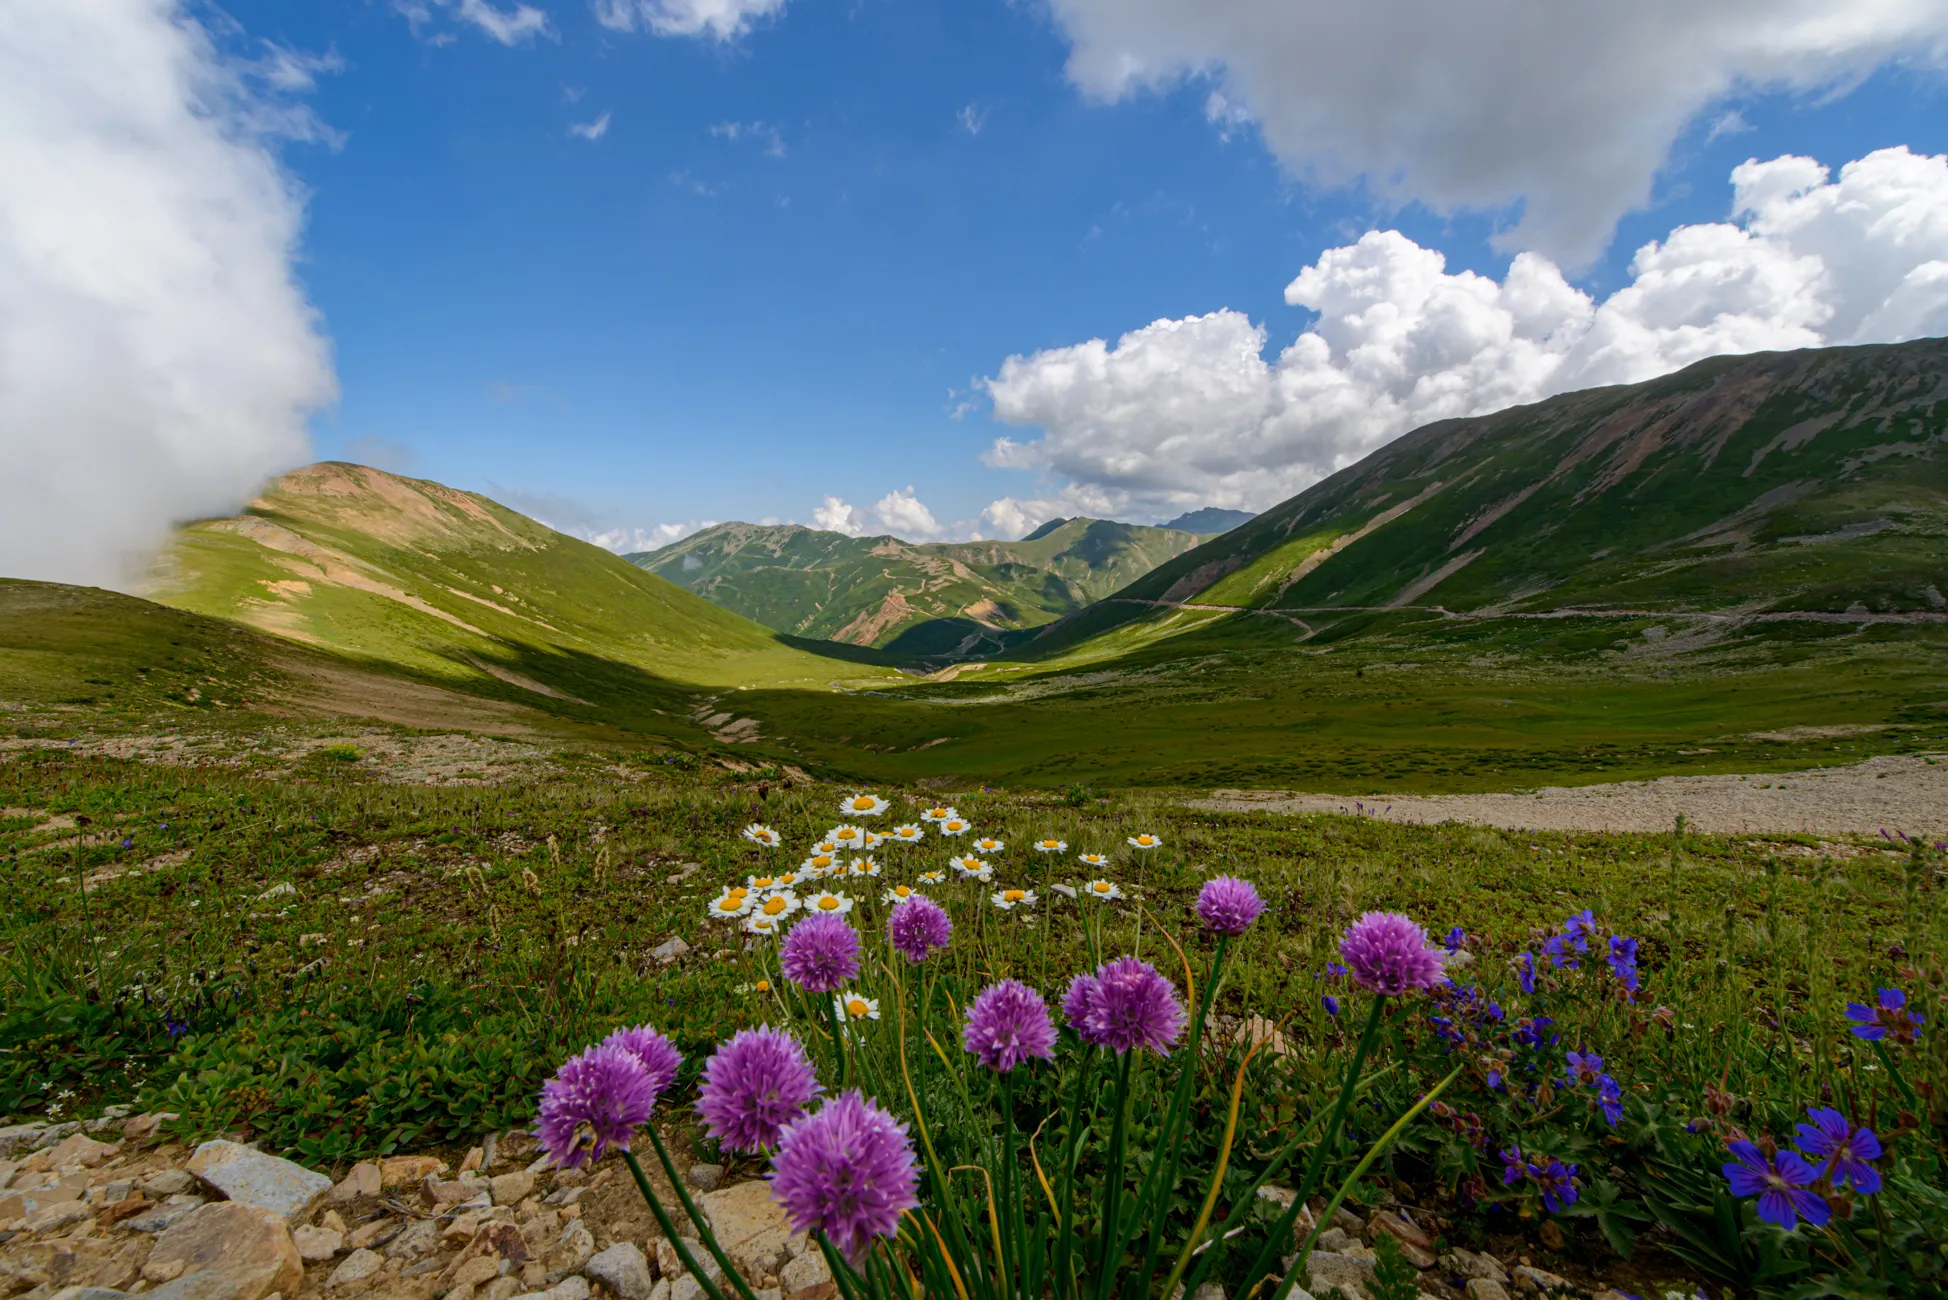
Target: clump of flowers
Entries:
(756, 1084)
(847, 1171)
(1545, 1176)
(1126, 1004)
(1008, 1024)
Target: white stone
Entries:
(623, 1269)
(317, 1243)
(358, 1266)
(286, 1189)
(808, 1270)
(751, 1227)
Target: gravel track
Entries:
(1904, 792)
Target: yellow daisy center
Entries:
(1145, 841)
(901, 890)
(1101, 886)
(773, 906)
(762, 882)
(864, 801)
(954, 826)
(762, 986)
(1049, 844)
(856, 1008)
(822, 861)
(827, 903)
(1014, 895)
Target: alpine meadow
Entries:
(724, 650)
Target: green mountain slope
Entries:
(1768, 488)
(454, 588)
(938, 598)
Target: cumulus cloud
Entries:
(899, 512)
(577, 518)
(835, 515)
(723, 20)
(590, 130)
(514, 25)
(1566, 111)
(158, 359)
(1191, 412)
(904, 515)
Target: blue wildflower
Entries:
(1889, 1017)
(1832, 1138)
(1779, 1182)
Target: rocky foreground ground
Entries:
(109, 1208)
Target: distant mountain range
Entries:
(1211, 519)
(935, 598)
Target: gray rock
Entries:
(670, 949)
(705, 1178)
(1336, 1240)
(206, 1285)
(358, 1266)
(1472, 1264)
(571, 1251)
(1325, 1270)
(285, 1188)
(166, 1215)
(623, 1269)
(1538, 1280)
(420, 1237)
(808, 1270)
(167, 1182)
(1482, 1288)
(512, 1189)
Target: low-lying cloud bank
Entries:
(1190, 412)
(158, 359)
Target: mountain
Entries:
(936, 598)
(1766, 489)
(1211, 519)
(454, 589)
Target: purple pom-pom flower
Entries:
(1130, 1005)
(1389, 954)
(1228, 905)
(1077, 1001)
(592, 1105)
(918, 926)
(1832, 1137)
(1006, 1025)
(658, 1054)
(1779, 1181)
(821, 953)
(848, 1172)
(754, 1086)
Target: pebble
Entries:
(316, 1243)
(1482, 1288)
(357, 1266)
(623, 1269)
(512, 1189)
(705, 1178)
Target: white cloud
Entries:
(628, 541)
(723, 20)
(590, 130)
(837, 516)
(1567, 110)
(158, 358)
(774, 141)
(1191, 412)
(515, 25)
(905, 515)
(972, 117)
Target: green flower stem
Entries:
(842, 1273)
(1113, 1177)
(1262, 1266)
(704, 1232)
(1071, 1154)
(669, 1229)
(1359, 1170)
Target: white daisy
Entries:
(940, 814)
(1103, 889)
(906, 835)
(989, 845)
(1092, 860)
(862, 867)
(761, 883)
(898, 894)
(847, 837)
(827, 845)
(785, 880)
(827, 902)
(854, 1006)
(776, 906)
(1051, 846)
(732, 903)
(932, 877)
(954, 826)
(863, 805)
(818, 864)
(1009, 899)
(971, 868)
(1144, 841)
(755, 924)
(763, 836)
(873, 840)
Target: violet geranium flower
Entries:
(1388, 954)
(1779, 1181)
(756, 1084)
(918, 926)
(592, 1104)
(1889, 1017)
(658, 1054)
(1007, 1024)
(847, 1171)
(1227, 905)
(1132, 1005)
(821, 953)
(1831, 1137)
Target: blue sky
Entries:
(627, 278)
(778, 270)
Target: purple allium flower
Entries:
(594, 1102)
(754, 1086)
(821, 953)
(658, 1054)
(1584, 1068)
(1557, 1182)
(1889, 1017)
(918, 926)
(1525, 972)
(1389, 954)
(1081, 996)
(1007, 1024)
(1227, 905)
(1331, 1004)
(1779, 1182)
(1131, 1005)
(1832, 1137)
(847, 1171)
